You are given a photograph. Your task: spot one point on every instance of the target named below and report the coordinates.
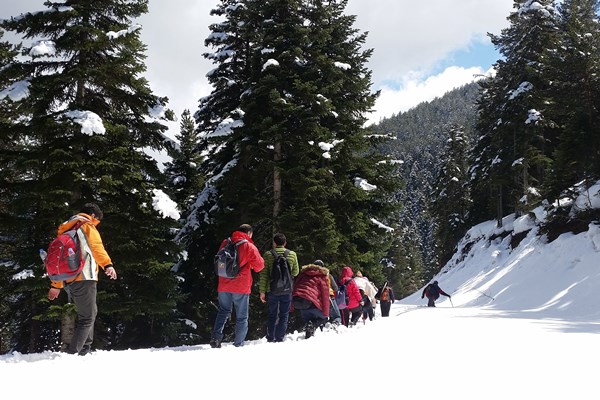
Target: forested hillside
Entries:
(421, 136)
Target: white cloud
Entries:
(405, 36)
(416, 89)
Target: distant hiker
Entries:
(334, 312)
(354, 307)
(433, 291)
(386, 298)
(275, 285)
(235, 292)
(311, 297)
(82, 289)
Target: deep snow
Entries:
(522, 324)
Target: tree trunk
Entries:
(276, 184)
(67, 329)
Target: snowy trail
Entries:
(463, 353)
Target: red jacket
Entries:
(354, 296)
(312, 284)
(250, 260)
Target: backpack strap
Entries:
(237, 244)
(275, 254)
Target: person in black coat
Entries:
(433, 291)
(386, 298)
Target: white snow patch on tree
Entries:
(523, 87)
(342, 65)
(43, 48)
(16, 92)
(533, 116)
(326, 147)
(90, 122)
(226, 127)
(363, 184)
(270, 62)
(164, 205)
(382, 225)
(123, 32)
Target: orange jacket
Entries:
(92, 248)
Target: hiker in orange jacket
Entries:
(82, 289)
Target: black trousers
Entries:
(83, 294)
(385, 308)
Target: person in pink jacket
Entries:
(235, 292)
(355, 302)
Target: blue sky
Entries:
(476, 55)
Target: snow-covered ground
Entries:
(522, 324)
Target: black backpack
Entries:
(433, 291)
(227, 262)
(281, 275)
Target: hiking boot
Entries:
(85, 350)
(309, 330)
(215, 343)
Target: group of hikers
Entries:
(310, 289)
(284, 287)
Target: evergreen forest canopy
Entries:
(280, 144)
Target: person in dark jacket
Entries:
(235, 292)
(311, 297)
(433, 291)
(367, 310)
(386, 298)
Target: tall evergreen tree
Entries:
(451, 199)
(284, 133)
(8, 271)
(86, 115)
(516, 125)
(185, 179)
(576, 71)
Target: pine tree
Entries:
(87, 116)
(451, 198)
(516, 125)
(185, 179)
(283, 129)
(576, 71)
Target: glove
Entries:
(422, 297)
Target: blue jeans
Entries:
(227, 301)
(313, 314)
(279, 313)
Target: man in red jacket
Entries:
(235, 292)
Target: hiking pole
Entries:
(450, 298)
(485, 294)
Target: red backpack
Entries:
(64, 261)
